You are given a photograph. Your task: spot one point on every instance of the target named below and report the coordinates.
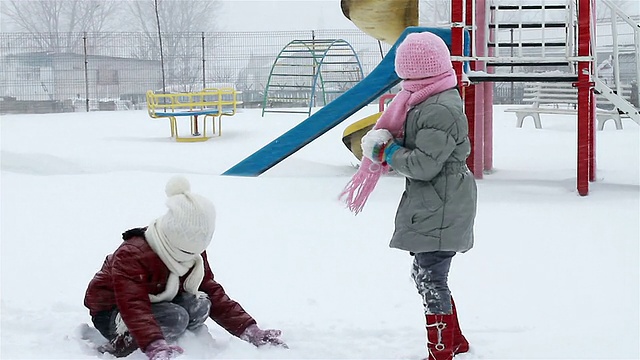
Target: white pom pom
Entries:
(177, 185)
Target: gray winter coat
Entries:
(438, 206)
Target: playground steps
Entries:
(539, 43)
(623, 106)
(531, 35)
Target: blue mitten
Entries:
(389, 150)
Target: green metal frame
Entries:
(318, 50)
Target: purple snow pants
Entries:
(185, 312)
(431, 272)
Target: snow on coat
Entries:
(438, 206)
(134, 271)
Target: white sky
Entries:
(264, 15)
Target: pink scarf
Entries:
(412, 92)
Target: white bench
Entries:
(561, 99)
(276, 98)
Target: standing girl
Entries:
(423, 135)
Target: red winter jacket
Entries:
(134, 271)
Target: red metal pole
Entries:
(478, 130)
(584, 97)
(488, 126)
(469, 92)
(457, 40)
(488, 96)
(592, 102)
(476, 122)
(591, 156)
(487, 87)
(592, 137)
(470, 110)
(382, 103)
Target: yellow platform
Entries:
(352, 135)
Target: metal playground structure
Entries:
(575, 52)
(305, 66)
(555, 42)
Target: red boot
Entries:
(460, 343)
(440, 334)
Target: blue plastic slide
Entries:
(381, 79)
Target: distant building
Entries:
(61, 76)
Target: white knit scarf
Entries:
(178, 264)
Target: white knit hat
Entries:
(189, 223)
(180, 236)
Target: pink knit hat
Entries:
(422, 55)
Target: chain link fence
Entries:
(54, 72)
(111, 71)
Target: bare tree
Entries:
(56, 24)
(182, 23)
(435, 12)
(175, 15)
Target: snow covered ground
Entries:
(553, 275)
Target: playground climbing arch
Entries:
(308, 73)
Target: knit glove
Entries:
(160, 350)
(258, 337)
(374, 144)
